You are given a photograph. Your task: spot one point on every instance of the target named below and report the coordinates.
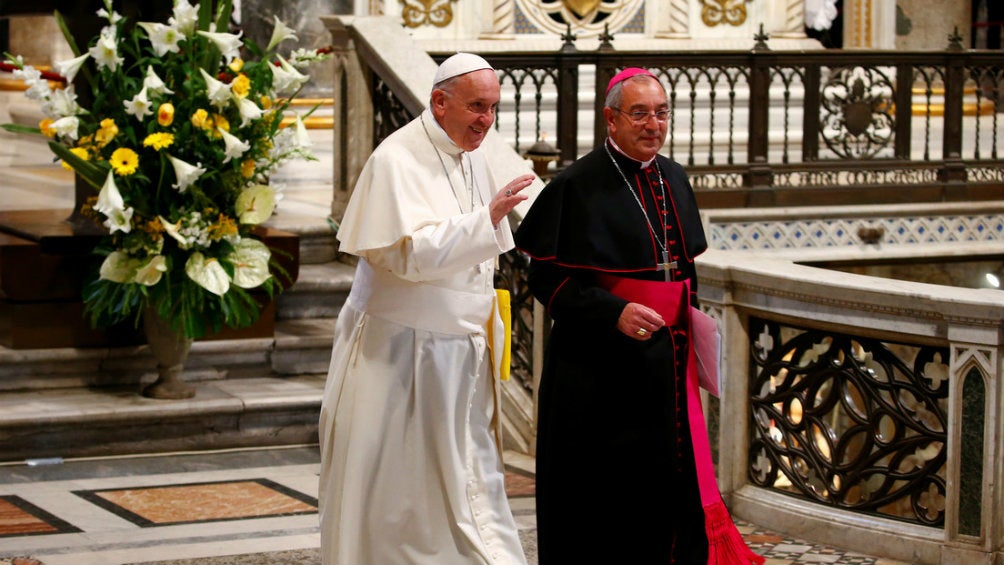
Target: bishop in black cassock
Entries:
(616, 475)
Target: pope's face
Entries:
(640, 140)
(466, 109)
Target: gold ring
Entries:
(641, 332)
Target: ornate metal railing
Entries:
(849, 422)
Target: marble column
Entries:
(257, 18)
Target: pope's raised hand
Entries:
(507, 198)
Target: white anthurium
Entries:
(281, 32)
(163, 38)
(67, 128)
(185, 17)
(69, 69)
(285, 77)
(118, 267)
(217, 91)
(153, 83)
(249, 110)
(207, 273)
(228, 43)
(140, 105)
(173, 230)
(234, 146)
(185, 173)
(250, 260)
(302, 138)
(106, 51)
(255, 204)
(150, 272)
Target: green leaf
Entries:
(17, 128)
(94, 174)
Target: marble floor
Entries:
(248, 506)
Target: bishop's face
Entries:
(466, 108)
(641, 139)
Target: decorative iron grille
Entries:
(849, 422)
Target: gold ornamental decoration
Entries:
(581, 8)
(732, 12)
(421, 12)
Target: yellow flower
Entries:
(266, 102)
(107, 133)
(221, 122)
(46, 127)
(159, 140)
(201, 120)
(79, 152)
(222, 227)
(124, 161)
(247, 168)
(165, 114)
(236, 65)
(241, 86)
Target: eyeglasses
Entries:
(639, 117)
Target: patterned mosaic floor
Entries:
(237, 507)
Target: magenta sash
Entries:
(672, 301)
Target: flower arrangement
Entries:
(179, 139)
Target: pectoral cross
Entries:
(666, 265)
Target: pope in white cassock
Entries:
(411, 471)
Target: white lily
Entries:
(70, 67)
(106, 51)
(281, 32)
(173, 230)
(67, 127)
(185, 17)
(249, 110)
(38, 88)
(207, 273)
(119, 220)
(109, 198)
(255, 204)
(153, 83)
(217, 92)
(285, 77)
(163, 38)
(234, 146)
(185, 173)
(302, 138)
(61, 102)
(228, 43)
(250, 260)
(140, 105)
(109, 13)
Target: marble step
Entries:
(49, 425)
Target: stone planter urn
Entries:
(170, 348)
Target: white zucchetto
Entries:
(459, 64)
